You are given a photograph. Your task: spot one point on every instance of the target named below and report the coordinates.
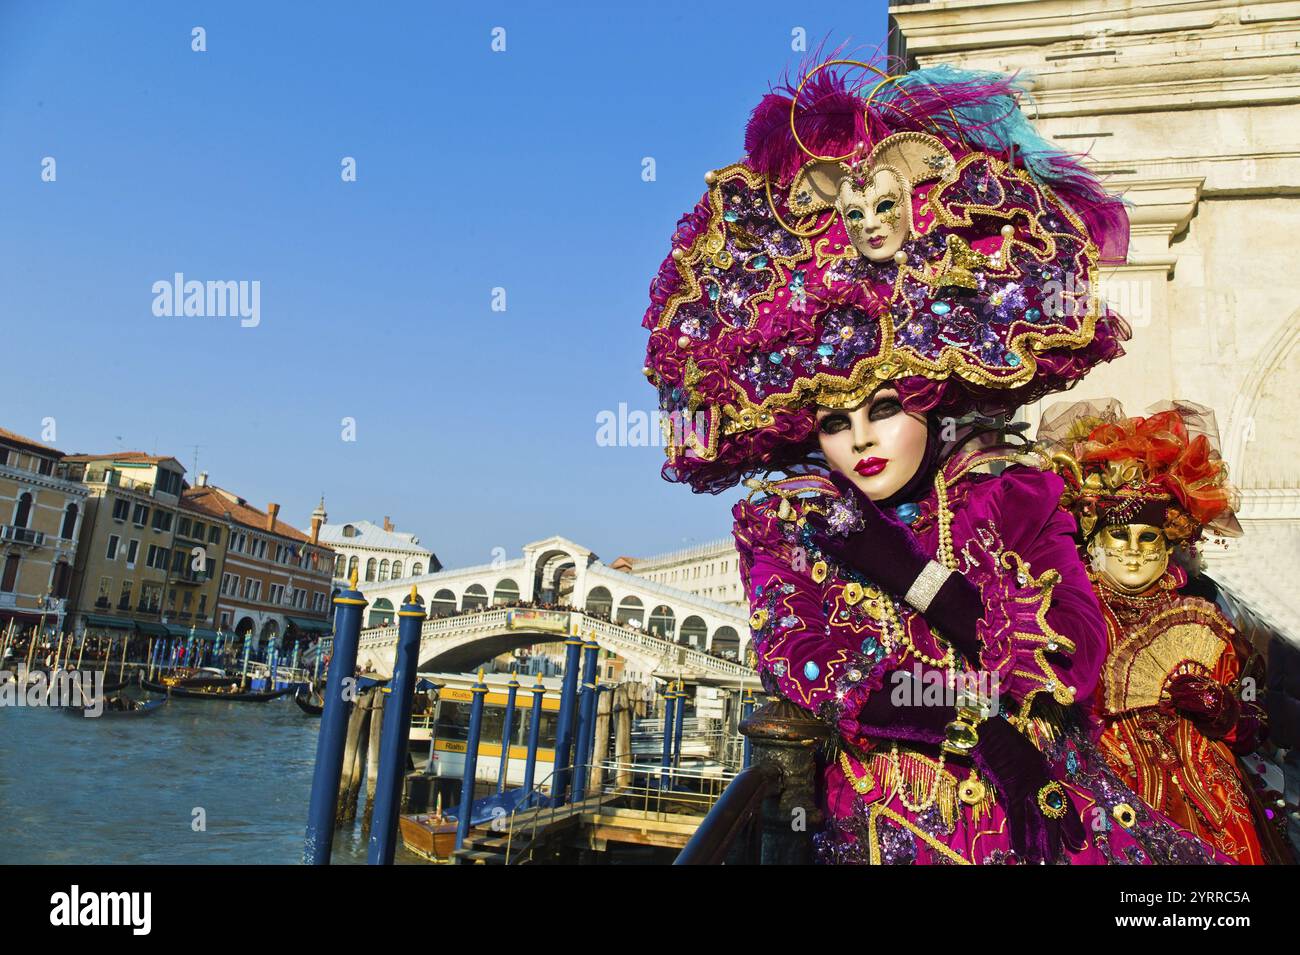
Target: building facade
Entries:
(377, 553)
(275, 581)
(41, 517)
(707, 570)
(1189, 107)
(128, 548)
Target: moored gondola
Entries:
(306, 704)
(231, 693)
(118, 706)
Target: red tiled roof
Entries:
(210, 500)
(13, 438)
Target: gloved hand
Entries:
(1206, 702)
(880, 716)
(1018, 772)
(889, 554)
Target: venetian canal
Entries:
(78, 790)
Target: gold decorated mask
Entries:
(1130, 557)
(877, 213)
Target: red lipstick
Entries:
(870, 466)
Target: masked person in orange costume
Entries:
(1169, 698)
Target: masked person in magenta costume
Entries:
(897, 264)
(1169, 698)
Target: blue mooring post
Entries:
(670, 703)
(747, 708)
(339, 692)
(564, 729)
(586, 719)
(393, 738)
(534, 733)
(507, 732)
(479, 690)
(681, 723)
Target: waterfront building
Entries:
(275, 581)
(128, 546)
(41, 515)
(708, 570)
(377, 553)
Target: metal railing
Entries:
(21, 535)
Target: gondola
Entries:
(119, 706)
(307, 706)
(232, 693)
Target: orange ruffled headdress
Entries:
(1163, 469)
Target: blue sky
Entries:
(475, 170)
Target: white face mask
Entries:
(877, 445)
(878, 217)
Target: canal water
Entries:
(126, 790)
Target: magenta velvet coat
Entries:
(826, 640)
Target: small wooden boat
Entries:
(232, 693)
(119, 706)
(307, 705)
(431, 836)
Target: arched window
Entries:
(507, 592)
(475, 596)
(444, 603)
(371, 566)
(352, 564)
(341, 565)
(24, 511)
(381, 613)
(417, 569)
(599, 601)
(69, 522)
(630, 611)
(662, 621)
(694, 631)
(383, 569)
(397, 570)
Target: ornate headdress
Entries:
(1163, 469)
(919, 233)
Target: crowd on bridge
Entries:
(600, 613)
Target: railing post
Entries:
(334, 721)
(396, 730)
(506, 733)
(534, 733)
(479, 690)
(786, 735)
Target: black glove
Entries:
(889, 554)
(1019, 773)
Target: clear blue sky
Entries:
(522, 170)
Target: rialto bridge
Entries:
(478, 612)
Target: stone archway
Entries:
(443, 603)
(600, 603)
(630, 610)
(694, 631)
(475, 598)
(662, 622)
(726, 642)
(505, 593)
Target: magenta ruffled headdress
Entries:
(775, 299)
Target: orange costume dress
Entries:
(1169, 699)
(1181, 764)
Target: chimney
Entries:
(271, 511)
(388, 524)
(318, 517)
(203, 479)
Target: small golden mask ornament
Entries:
(872, 192)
